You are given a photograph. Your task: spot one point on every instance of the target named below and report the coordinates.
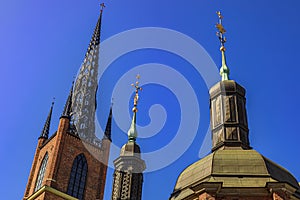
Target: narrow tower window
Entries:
(41, 174)
(78, 177)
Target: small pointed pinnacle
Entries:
(107, 133)
(68, 106)
(46, 129)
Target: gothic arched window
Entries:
(78, 177)
(41, 174)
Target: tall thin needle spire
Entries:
(84, 102)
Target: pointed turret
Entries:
(85, 88)
(107, 133)
(68, 106)
(46, 129)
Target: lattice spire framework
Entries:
(84, 96)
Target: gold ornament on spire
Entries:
(224, 71)
(137, 89)
(132, 132)
(221, 31)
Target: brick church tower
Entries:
(72, 163)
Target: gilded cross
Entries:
(221, 31)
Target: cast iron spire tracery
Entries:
(85, 89)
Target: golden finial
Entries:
(137, 89)
(102, 5)
(224, 71)
(221, 31)
(132, 132)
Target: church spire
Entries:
(95, 40)
(132, 132)
(68, 106)
(229, 122)
(224, 71)
(85, 88)
(46, 129)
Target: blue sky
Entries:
(43, 44)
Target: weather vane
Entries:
(224, 70)
(221, 31)
(137, 89)
(102, 5)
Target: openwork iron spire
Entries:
(224, 71)
(46, 129)
(132, 132)
(84, 97)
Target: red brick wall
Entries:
(62, 150)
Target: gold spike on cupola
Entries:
(132, 132)
(224, 70)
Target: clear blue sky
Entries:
(43, 44)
